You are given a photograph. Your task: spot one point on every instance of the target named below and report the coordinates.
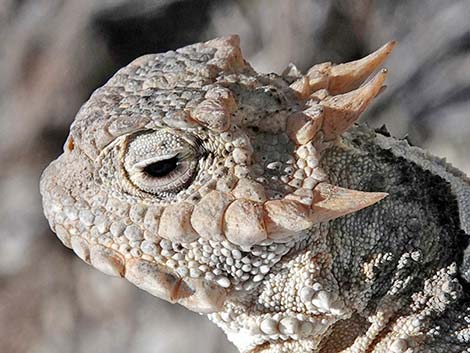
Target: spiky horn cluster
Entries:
(333, 100)
(330, 109)
(330, 105)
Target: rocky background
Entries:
(54, 53)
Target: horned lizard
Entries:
(257, 200)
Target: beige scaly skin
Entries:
(232, 193)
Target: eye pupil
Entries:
(161, 168)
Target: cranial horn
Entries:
(287, 217)
(332, 201)
(228, 55)
(342, 78)
(341, 111)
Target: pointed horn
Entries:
(341, 111)
(343, 78)
(228, 56)
(349, 76)
(332, 201)
(285, 218)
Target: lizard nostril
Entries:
(70, 143)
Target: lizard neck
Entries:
(299, 301)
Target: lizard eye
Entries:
(162, 168)
(160, 162)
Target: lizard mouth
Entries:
(196, 294)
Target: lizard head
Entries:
(192, 175)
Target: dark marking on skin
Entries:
(383, 131)
(412, 219)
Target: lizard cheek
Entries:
(244, 223)
(208, 214)
(175, 223)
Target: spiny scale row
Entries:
(218, 261)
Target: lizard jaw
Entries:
(197, 295)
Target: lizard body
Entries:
(255, 199)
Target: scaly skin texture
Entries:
(255, 199)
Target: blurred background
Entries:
(54, 53)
